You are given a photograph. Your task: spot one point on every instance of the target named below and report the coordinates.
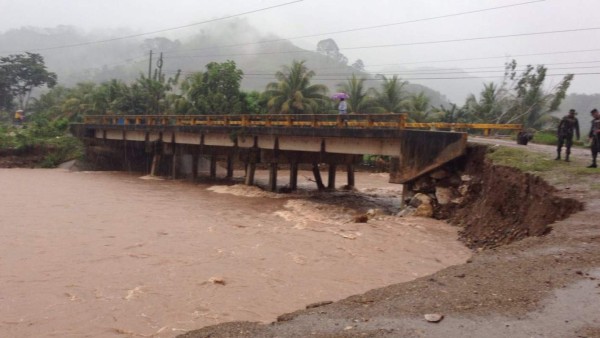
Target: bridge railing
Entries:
(396, 121)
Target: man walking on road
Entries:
(594, 137)
(566, 127)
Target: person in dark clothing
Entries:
(567, 126)
(594, 137)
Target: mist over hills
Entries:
(77, 56)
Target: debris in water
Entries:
(217, 280)
(434, 317)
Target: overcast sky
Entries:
(411, 41)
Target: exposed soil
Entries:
(504, 204)
(20, 159)
(544, 283)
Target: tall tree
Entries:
(293, 93)
(19, 74)
(215, 91)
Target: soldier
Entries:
(594, 137)
(567, 125)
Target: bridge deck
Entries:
(332, 139)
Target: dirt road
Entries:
(546, 286)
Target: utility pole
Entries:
(150, 66)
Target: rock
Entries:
(424, 210)
(463, 190)
(419, 199)
(439, 174)
(361, 218)
(466, 178)
(458, 200)
(408, 211)
(443, 195)
(434, 317)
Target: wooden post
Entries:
(293, 175)
(251, 169)
(350, 169)
(229, 166)
(213, 166)
(317, 174)
(273, 177)
(331, 178)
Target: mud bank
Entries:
(541, 275)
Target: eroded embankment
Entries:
(504, 204)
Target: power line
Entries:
(369, 27)
(398, 44)
(161, 30)
(475, 38)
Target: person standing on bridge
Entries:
(343, 110)
(594, 137)
(566, 127)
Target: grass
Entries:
(522, 159)
(543, 165)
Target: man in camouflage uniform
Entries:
(566, 127)
(595, 137)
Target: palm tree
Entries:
(488, 108)
(417, 106)
(391, 98)
(359, 99)
(293, 93)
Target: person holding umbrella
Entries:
(342, 106)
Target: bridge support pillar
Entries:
(250, 170)
(273, 177)
(155, 163)
(174, 160)
(195, 159)
(317, 174)
(350, 170)
(331, 177)
(229, 166)
(293, 175)
(406, 190)
(213, 166)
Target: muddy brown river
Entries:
(105, 254)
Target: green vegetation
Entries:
(540, 164)
(522, 159)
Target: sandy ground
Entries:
(545, 286)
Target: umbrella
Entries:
(340, 96)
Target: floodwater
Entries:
(105, 254)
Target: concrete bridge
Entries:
(173, 145)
